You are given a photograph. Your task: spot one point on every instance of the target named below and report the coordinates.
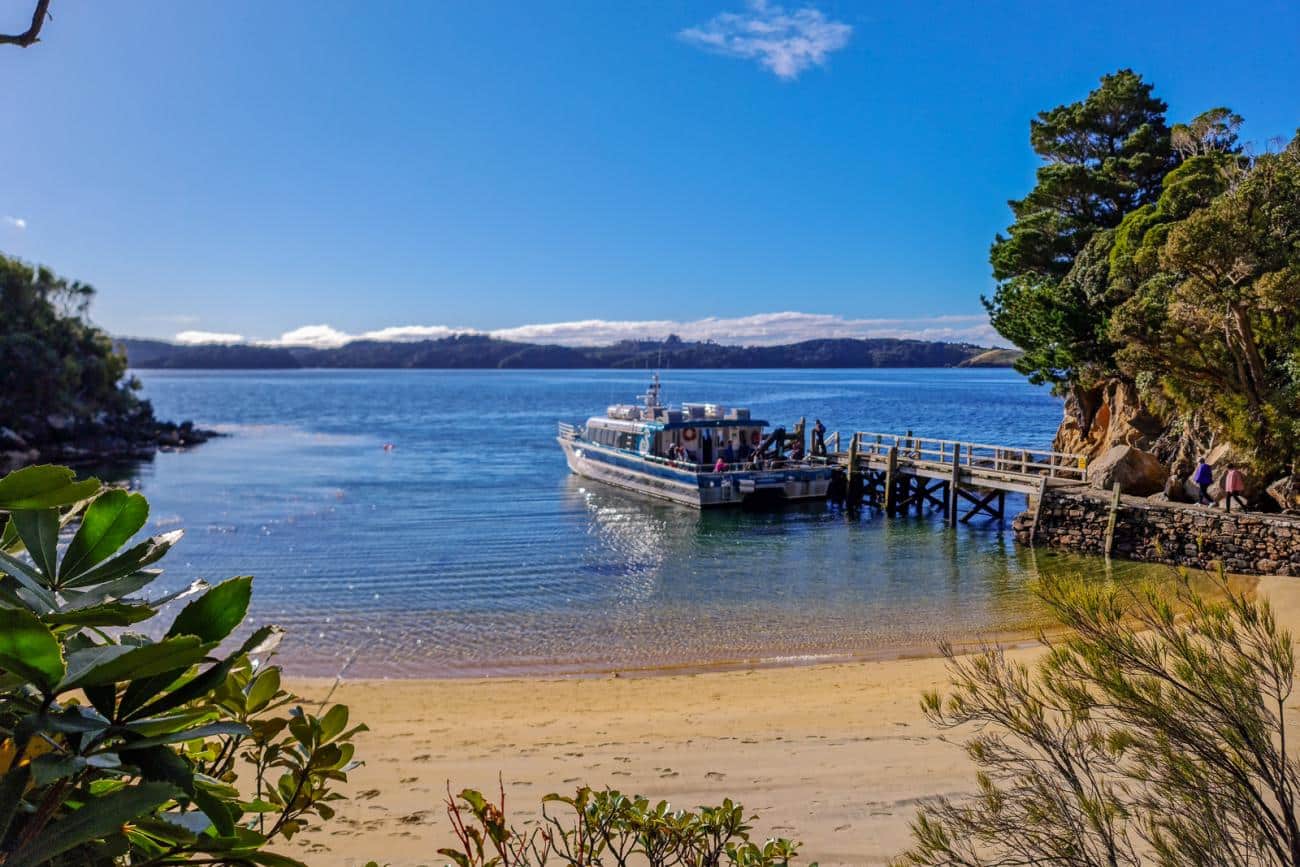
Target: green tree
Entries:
(1103, 157)
(53, 362)
(1214, 326)
(1155, 733)
(118, 748)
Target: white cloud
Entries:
(786, 42)
(197, 338)
(17, 222)
(763, 329)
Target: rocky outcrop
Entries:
(1101, 418)
(1148, 531)
(1136, 472)
(103, 438)
(1286, 493)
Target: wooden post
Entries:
(836, 437)
(1110, 521)
(853, 456)
(954, 484)
(1038, 509)
(891, 479)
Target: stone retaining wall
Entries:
(1200, 537)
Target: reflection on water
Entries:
(470, 549)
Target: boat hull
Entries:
(698, 490)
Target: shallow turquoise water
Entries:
(470, 549)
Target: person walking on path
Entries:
(1202, 478)
(1234, 486)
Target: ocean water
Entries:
(469, 548)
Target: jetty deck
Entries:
(898, 472)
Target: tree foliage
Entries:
(53, 362)
(1154, 734)
(120, 748)
(1164, 257)
(1102, 157)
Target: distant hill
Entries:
(474, 351)
(994, 358)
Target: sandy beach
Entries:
(836, 756)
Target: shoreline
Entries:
(835, 755)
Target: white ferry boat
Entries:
(702, 454)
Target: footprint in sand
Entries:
(423, 757)
(410, 780)
(714, 775)
(843, 827)
(414, 818)
(369, 794)
(571, 780)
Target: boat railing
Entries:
(1028, 462)
(568, 431)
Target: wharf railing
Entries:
(996, 459)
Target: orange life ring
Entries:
(755, 438)
(689, 434)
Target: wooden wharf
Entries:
(902, 472)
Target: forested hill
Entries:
(478, 351)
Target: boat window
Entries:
(627, 441)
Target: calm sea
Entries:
(469, 548)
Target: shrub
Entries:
(607, 827)
(118, 748)
(1154, 734)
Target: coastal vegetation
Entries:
(64, 388)
(1154, 732)
(608, 827)
(1152, 275)
(481, 351)
(124, 742)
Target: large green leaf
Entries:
(113, 518)
(28, 648)
(29, 577)
(211, 730)
(97, 818)
(107, 614)
(215, 614)
(114, 663)
(43, 487)
(39, 530)
(199, 685)
(129, 561)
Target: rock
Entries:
(10, 440)
(1138, 473)
(1176, 491)
(1285, 492)
(1096, 420)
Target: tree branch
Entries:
(33, 34)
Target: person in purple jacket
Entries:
(1203, 477)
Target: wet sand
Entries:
(836, 756)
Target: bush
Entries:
(1154, 734)
(607, 827)
(118, 748)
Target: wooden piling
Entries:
(954, 486)
(891, 480)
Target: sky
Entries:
(575, 171)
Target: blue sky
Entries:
(248, 168)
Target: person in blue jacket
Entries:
(1203, 477)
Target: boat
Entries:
(674, 454)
